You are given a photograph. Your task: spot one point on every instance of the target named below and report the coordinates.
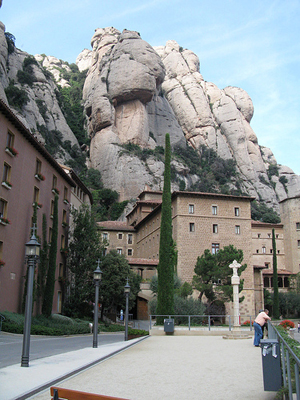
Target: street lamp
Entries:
(126, 291)
(32, 253)
(97, 279)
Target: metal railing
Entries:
(204, 321)
(289, 360)
(2, 318)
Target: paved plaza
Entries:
(158, 367)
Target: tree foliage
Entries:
(213, 276)
(165, 269)
(260, 212)
(43, 265)
(10, 40)
(50, 281)
(85, 248)
(16, 97)
(116, 270)
(276, 313)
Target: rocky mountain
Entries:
(134, 94)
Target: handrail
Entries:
(286, 354)
(208, 317)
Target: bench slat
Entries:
(68, 394)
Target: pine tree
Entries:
(50, 282)
(276, 313)
(165, 269)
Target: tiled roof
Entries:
(142, 261)
(279, 272)
(115, 225)
(266, 224)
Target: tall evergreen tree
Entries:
(43, 266)
(276, 313)
(165, 269)
(50, 282)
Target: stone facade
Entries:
(290, 217)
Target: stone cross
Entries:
(235, 281)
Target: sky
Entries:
(254, 45)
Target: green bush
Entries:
(56, 325)
(16, 97)
(10, 40)
(139, 332)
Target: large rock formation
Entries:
(135, 94)
(42, 112)
(132, 95)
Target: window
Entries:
(104, 252)
(266, 282)
(257, 251)
(237, 229)
(61, 270)
(50, 235)
(297, 225)
(10, 140)
(1, 250)
(278, 251)
(271, 251)
(129, 252)
(38, 167)
(104, 236)
(36, 195)
(64, 217)
(129, 238)
(258, 235)
(119, 251)
(264, 249)
(214, 210)
(277, 236)
(65, 193)
(267, 264)
(54, 182)
(269, 235)
(298, 243)
(120, 236)
(236, 211)
(191, 208)
(6, 174)
(192, 227)
(51, 208)
(215, 228)
(215, 247)
(62, 242)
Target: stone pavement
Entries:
(158, 367)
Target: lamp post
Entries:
(97, 279)
(126, 291)
(32, 253)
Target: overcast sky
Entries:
(254, 45)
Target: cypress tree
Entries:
(43, 264)
(165, 268)
(50, 282)
(276, 313)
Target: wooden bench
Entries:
(68, 394)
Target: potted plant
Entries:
(39, 177)
(55, 190)
(4, 221)
(2, 263)
(7, 185)
(11, 151)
